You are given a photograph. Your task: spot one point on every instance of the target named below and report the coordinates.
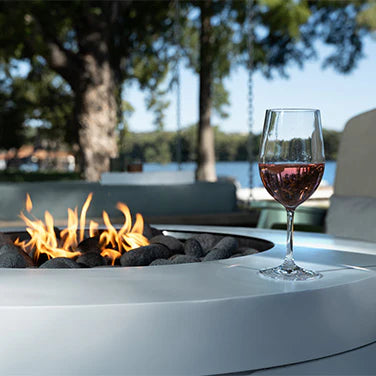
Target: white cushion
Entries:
(352, 217)
(148, 178)
(355, 173)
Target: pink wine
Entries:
(291, 183)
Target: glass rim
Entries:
(288, 109)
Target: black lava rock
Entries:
(42, 258)
(175, 245)
(9, 248)
(161, 262)
(192, 247)
(57, 232)
(60, 263)
(244, 252)
(91, 259)
(248, 251)
(237, 255)
(155, 231)
(5, 239)
(13, 260)
(148, 231)
(184, 259)
(207, 241)
(143, 256)
(225, 248)
(89, 245)
(12, 256)
(217, 254)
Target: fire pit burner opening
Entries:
(164, 248)
(134, 243)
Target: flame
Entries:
(83, 216)
(113, 243)
(29, 203)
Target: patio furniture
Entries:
(273, 216)
(199, 198)
(352, 211)
(148, 178)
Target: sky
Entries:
(339, 97)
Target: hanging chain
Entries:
(250, 45)
(177, 82)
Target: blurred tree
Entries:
(159, 146)
(40, 98)
(94, 46)
(367, 16)
(11, 115)
(208, 44)
(331, 143)
(284, 32)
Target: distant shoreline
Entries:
(239, 171)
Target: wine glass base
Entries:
(294, 273)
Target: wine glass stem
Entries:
(289, 263)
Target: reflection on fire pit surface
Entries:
(162, 250)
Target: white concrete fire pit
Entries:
(205, 318)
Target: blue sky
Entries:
(338, 96)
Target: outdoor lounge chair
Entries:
(352, 211)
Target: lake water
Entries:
(238, 170)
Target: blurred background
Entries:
(92, 86)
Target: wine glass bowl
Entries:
(291, 165)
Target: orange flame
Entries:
(29, 204)
(113, 243)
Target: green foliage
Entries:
(57, 35)
(285, 32)
(148, 147)
(42, 98)
(13, 106)
(160, 147)
(19, 177)
(367, 17)
(223, 47)
(331, 143)
(143, 47)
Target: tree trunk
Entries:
(205, 153)
(96, 117)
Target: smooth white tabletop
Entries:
(206, 318)
(339, 261)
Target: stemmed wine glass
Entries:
(291, 165)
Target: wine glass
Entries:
(291, 165)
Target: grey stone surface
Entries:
(60, 263)
(175, 245)
(192, 247)
(143, 256)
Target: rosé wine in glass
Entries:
(291, 165)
